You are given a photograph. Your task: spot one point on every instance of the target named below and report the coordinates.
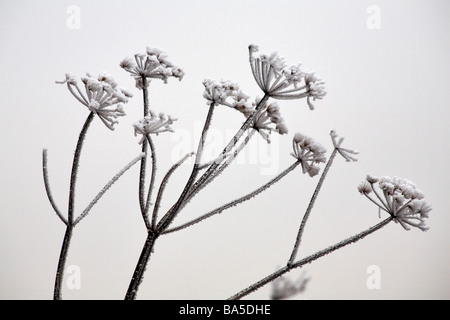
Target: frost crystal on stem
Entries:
(102, 96)
(400, 198)
(309, 152)
(282, 82)
(153, 64)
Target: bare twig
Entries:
(170, 215)
(163, 186)
(310, 206)
(47, 186)
(309, 259)
(236, 201)
(106, 187)
(69, 228)
(153, 175)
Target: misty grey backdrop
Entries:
(386, 69)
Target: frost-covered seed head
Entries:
(371, 179)
(281, 82)
(309, 152)
(101, 96)
(153, 124)
(154, 64)
(268, 119)
(402, 200)
(227, 93)
(364, 188)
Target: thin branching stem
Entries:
(211, 170)
(141, 266)
(197, 187)
(105, 188)
(142, 172)
(310, 206)
(70, 225)
(62, 262)
(170, 215)
(163, 186)
(309, 259)
(236, 201)
(145, 94)
(47, 187)
(152, 231)
(153, 175)
(75, 165)
(228, 160)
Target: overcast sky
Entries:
(386, 68)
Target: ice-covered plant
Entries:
(104, 99)
(278, 81)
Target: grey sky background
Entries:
(387, 95)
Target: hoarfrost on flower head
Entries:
(280, 81)
(154, 64)
(101, 95)
(309, 152)
(153, 124)
(400, 198)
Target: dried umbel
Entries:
(154, 64)
(400, 198)
(227, 93)
(269, 119)
(283, 82)
(153, 124)
(309, 152)
(102, 96)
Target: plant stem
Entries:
(141, 266)
(309, 259)
(142, 201)
(47, 187)
(166, 219)
(142, 183)
(163, 186)
(153, 175)
(310, 206)
(237, 201)
(69, 228)
(75, 164)
(145, 93)
(211, 170)
(170, 215)
(62, 262)
(197, 187)
(105, 188)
